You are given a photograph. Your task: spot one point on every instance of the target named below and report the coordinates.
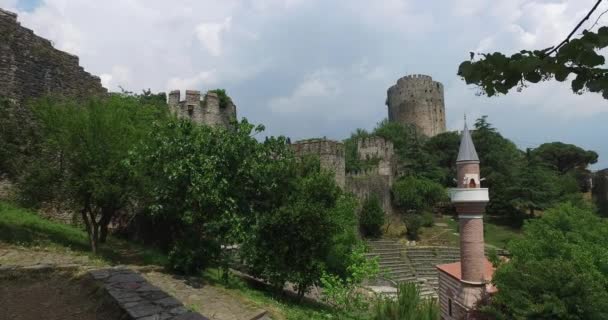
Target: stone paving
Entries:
(140, 299)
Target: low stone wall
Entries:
(140, 299)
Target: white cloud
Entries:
(312, 67)
(201, 80)
(321, 84)
(210, 35)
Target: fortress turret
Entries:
(330, 153)
(417, 100)
(208, 111)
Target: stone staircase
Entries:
(395, 265)
(424, 259)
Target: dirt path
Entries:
(212, 301)
(55, 296)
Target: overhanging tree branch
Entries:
(575, 28)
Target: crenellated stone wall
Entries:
(331, 154)
(206, 111)
(419, 101)
(31, 67)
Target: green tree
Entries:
(565, 158)
(372, 217)
(497, 73)
(417, 194)
(292, 242)
(557, 270)
(81, 156)
(207, 184)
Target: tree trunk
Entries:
(91, 226)
(106, 217)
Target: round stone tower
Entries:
(417, 100)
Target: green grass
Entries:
(494, 234)
(279, 306)
(25, 228)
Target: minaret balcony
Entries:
(459, 195)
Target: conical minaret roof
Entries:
(467, 148)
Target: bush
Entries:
(427, 220)
(413, 222)
(372, 217)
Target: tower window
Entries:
(472, 184)
(450, 307)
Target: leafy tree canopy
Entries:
(557, 270)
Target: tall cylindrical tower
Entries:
(470, 201)
(417, 100)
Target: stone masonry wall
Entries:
(30, 67)
(205, 112)
(378, 147)
(371, 182)
(417, 100)
(330, 153)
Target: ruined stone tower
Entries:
(462, 284)
(330, 153)
(207, 111)
(417, 100)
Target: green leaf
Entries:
(578, 83)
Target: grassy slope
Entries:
(25, 228)
(494, 234)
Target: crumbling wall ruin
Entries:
(207, 111)
(31, 67)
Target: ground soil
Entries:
(53, 296)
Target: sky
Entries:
(313, 68)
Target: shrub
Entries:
(427, 219)
(372, 217)
(413, 222)
(408, 305)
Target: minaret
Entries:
(463, 283)
(470, 201)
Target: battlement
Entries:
(205, 111)
(318, 146)
(417, 82)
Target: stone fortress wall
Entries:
(379, 180)
(31, 67)
(417, 100)
(206, 111)
(330, 153)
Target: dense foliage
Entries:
(371, 217)
(557, 270)
(80, 148)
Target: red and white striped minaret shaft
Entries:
(470, 201)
